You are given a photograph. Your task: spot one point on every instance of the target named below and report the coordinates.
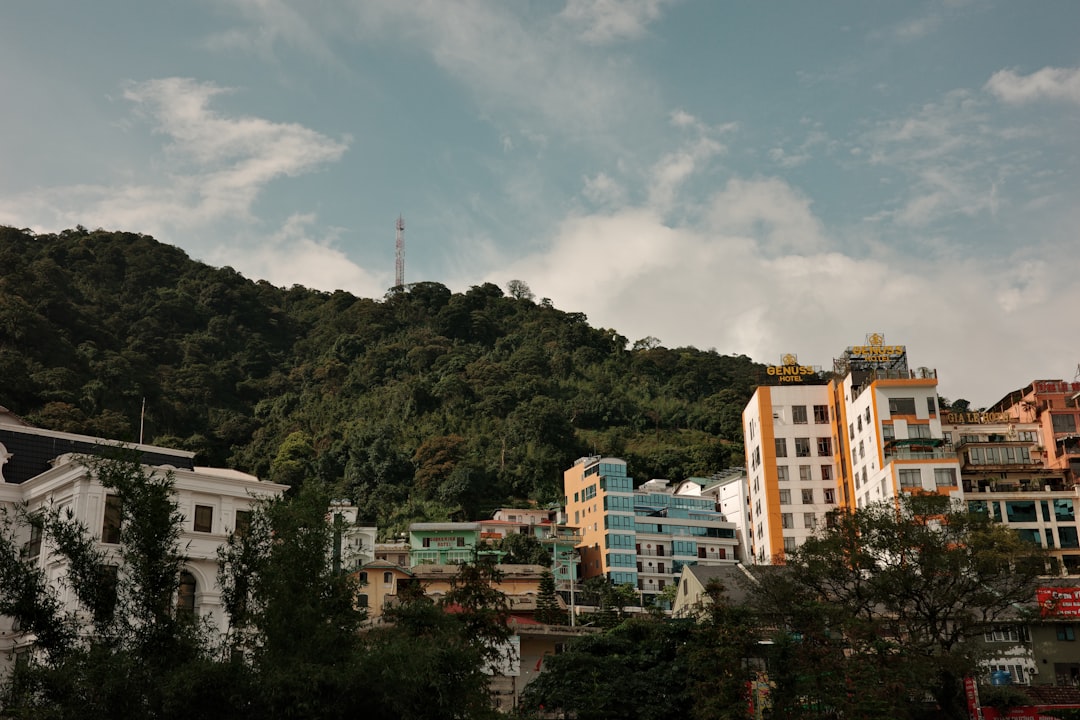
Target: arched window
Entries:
(185, 594)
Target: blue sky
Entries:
(757, 178)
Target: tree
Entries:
(524, 549)
(889, 597)
(547, 603)
(519, 290)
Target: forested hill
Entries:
(422, 404)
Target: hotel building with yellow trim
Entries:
(871, 433)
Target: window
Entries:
(781, 473)
(461, 540)
(185, 594)
(701, 552)
(110, 527)
(862, 450)
(388, 578)
(1003, 634)
(830, 496)
(804, 473)
(32, 548)
(858, 423)
(945, 477)
(919, 431)
(789, 544)
(1063, 423)
(867, 415)
(1063, 510)
(108, 576)
(660, 568)
(802, 447)
(204, 518)
(824, 446)
(781, 447)
(243, 522)
(787, 521)
(798, 414)
(821, 414)
(931, 406)
(887, 431)
(1027, 436)
(809, 520)
(361, 600)
(427, 542)
(363, 578)
(826, 472)
(902, 406)
(808, 497)
(911, 478)
(1066, 633)
(851, 430)
(785, 497)
(1021, 511)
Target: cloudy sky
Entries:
(757, 178)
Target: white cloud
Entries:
(1050, 83)
(602, 190)
(291, 256)
(604, 21)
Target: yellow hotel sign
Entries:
(789, 370)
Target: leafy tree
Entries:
(896, 593)
(524, 549)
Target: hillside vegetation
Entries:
(423, 404)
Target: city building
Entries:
(644, 536)
(869, 432)
(379, 581)
(1055, 406)
(48, 469)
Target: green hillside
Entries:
(421, 404)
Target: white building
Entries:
(43, 468)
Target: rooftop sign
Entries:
(789, 370)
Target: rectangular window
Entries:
(808, 497)
(204, 518)
(1063, 510)
(809, 520)
(789, 544)
(781, 447)
(32, 548)
(1066, 633)
(110, 527)
(867, 416)
(1063, 423)
(830, 496)
(785, 497)
(910, 478)
(804, 473)
(826, 472)
(920, 431)
(243, 522)
(862, 450)
(931, 406)
(1003, 634)
(787, 521)
(798, 414)
(1021, 511)
(824, 446)
(888, 432)
(802, 447)
(851, 430)
(781, 473)
(821, 414)
(945, 477)
(902, 406)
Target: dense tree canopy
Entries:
(423, 404)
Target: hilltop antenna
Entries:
(399, 253)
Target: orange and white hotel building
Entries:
(871, 433)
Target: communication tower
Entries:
(399, 248)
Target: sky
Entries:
(757, 178)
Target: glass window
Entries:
(1063, 423)
(945, 477)
(808, 497)
(185, 594)
(243, 522)
(110, 527)
(821, 414)
(809, 520)
(785, 497)
(32, 549)
(851, 431)
(802, 447)
(789, 544)
(862, 450)
(204, 518)
(804, 473)
(826, 472)
(910, 478)
(887, 431)
(918, 430)
(867, 415)
(824, 446)
(787, 521)
(1066, 633)
(781, 473)
(1067, 536)
(1020, 511)
(1063, 510)
(830, 496)
(798, 414)
(931, 406)
(781, 447)
(902, 406)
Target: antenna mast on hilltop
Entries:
(399, 247)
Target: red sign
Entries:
(1017, 713)
(1059, 602)
(971, 690)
